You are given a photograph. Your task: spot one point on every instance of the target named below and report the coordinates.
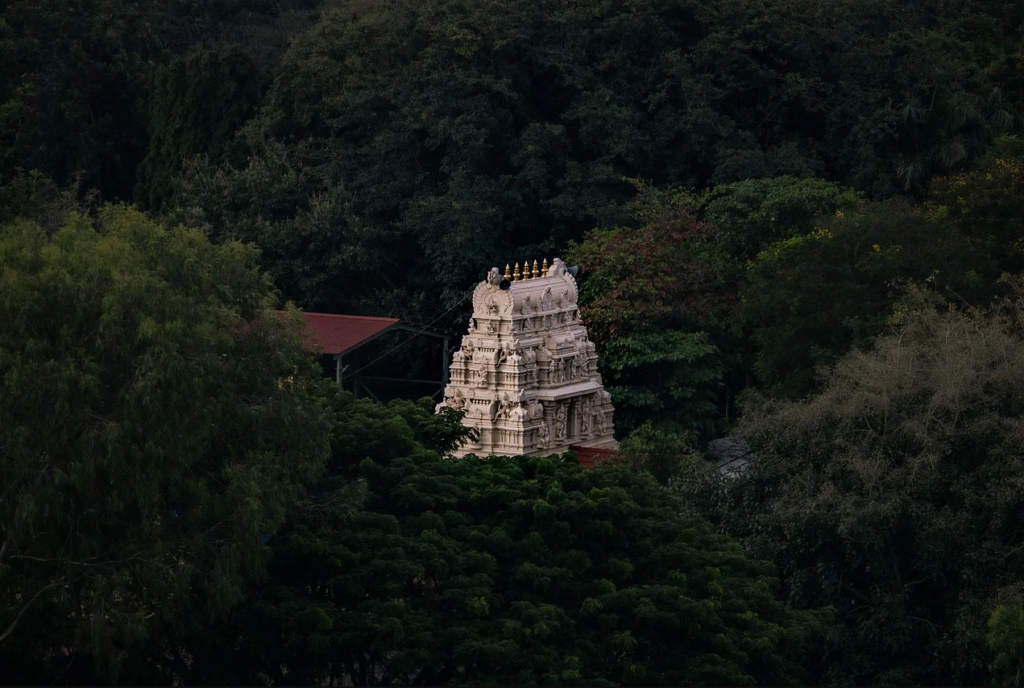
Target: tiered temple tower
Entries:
(526, 374)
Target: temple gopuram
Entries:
(526, 374)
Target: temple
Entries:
(526, 374)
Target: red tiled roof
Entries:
(588, 455)
(337, 334)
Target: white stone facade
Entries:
(526, 374)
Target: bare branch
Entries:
(14, 624)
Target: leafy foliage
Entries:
(648, 292)
(195, 105)
(70, 89)
(289, 202)
(807, 299)
(748, 216)
(505, 571)
(1005, 635)
(987, 204)
(893, 495)
(80, 75)
(471, 134)
(155, 423)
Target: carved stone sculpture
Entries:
(574, 367)
(585, 418)
(544, 394)
(457, 401)
(542, 436)
(560, 423)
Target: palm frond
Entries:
(952, 153)
(910, 173)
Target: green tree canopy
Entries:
(895, 494)
(1006, 640)
(156, 423)
(987, 203)
(807, 299)
(474, 134)
(747, 216)
(195, 105)
(501, 571)
(652, 291)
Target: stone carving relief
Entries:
(560, 422)
(542, 436)
(585, 412)
(519, 413)
(546, 301)
(544, 393)
(457, 401)
(536, 410)
(506, 406)
(574, 367)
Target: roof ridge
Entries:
(344, 315)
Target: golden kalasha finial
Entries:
(508, 275)
(515, 275)
(544, 268)
(526, 269)
(536, 270)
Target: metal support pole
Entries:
(337, 369)
(355, 377)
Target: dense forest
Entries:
(798, 223)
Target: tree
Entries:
(70, 93)
(196, 103)
(477, 134)
(156, 422)
(500, 571)
(1005, 636)
(292, 202)
(748, 216)
(78, 76)
(894, 494)
(33, 196)
(986, 203)
(651, 293)
(666, 455)
(807, 299)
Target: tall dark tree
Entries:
(195, 105)
(156, 422)
(70, 92)
(655, 300)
